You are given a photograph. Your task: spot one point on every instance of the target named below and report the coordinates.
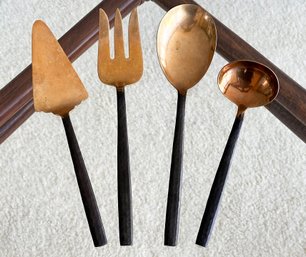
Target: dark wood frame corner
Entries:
(16, 103)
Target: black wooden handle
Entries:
(87, 194)
(123, 175)
(218, 184)
(173, 202)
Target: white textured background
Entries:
(264, 203)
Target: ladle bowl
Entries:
(248, 84)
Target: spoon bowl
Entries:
(248, 84)
(186, 42)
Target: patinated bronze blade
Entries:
(56, 86)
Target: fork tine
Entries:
(135, 53)
(118, 36)
(104, 48)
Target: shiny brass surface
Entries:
(186, 42)
(248, 84)
(56, 86)
(119, 71)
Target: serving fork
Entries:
(119, 72)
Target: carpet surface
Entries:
(263, 207)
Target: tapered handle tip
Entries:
(170, 243)
(100, 242)
(202, 241)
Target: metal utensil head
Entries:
(248, 83)
(56, 86)
(120, 71)
(186, 42)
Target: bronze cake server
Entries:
(58, 89)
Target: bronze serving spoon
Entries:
(247, 84)
(186, 42)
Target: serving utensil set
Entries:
(186, 43)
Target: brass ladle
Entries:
(186, 42)
(247, 84)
